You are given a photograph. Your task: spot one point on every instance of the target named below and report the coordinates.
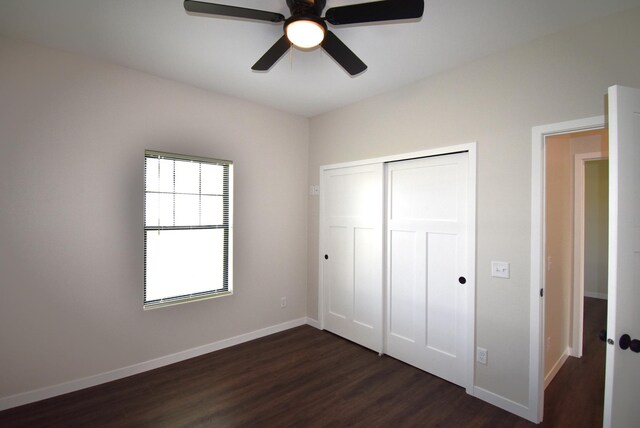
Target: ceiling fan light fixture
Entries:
(305, 33)
(306, 28)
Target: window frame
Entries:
(227, 227)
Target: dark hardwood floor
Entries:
(575, 397)
(298, 378)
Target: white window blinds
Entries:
(187, 228)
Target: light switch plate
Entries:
(500, 269)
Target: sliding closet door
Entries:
(351, 233)
(427, 264)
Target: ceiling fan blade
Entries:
(375, 11)
(342, 54)
(232, 11)
(272, 56)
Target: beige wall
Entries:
(596, 223)
(72, 140)
(494, 101)
(558, 249)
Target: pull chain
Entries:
(291, 55)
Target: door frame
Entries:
(536, 308)
(471, 148)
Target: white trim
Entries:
(536, 319)
(321, 247)
(77, 384)
(501, 402)
(468, 147)
(595, 295)
(471, 148)
(556, 367)
(471, 274)
(314, 323)
(578, 249)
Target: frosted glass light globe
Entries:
(305, 34)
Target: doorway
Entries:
(555, 298)
(622, 376)
(575, 252)
(566, 158)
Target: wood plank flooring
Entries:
(575, 397)
(298, 378)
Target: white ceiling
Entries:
(159, 37)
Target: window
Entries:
(188, 228)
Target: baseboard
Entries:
(595, 295)
(75, 385)
(556, 367)
(314, 323)
(503, 403)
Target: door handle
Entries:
(627, 343)
(603, 335)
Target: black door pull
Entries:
(627, 343)
(462, 280)
(603, 335)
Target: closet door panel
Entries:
(339, 286)
(365, 296)
(403, 286)
(442, 298)
(351, 248)
(427, 321)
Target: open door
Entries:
(622, 381)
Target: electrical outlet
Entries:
(548, 345)
(482, 355)
(283, 302)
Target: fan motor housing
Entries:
(306, 7)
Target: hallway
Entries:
(575, 397)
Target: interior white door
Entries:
(427, 264)
(622, 381)
(352, 260)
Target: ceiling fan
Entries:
(306, 29)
